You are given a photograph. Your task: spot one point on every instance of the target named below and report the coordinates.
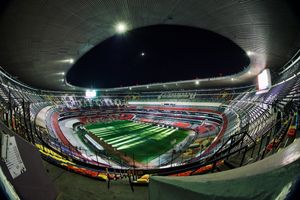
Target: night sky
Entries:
(171, 53)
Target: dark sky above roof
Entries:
(171, 53)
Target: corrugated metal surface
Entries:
(36, 35)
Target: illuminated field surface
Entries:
(145, 141)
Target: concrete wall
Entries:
(265, 179)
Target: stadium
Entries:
(153, 128)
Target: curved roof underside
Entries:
(38, 37)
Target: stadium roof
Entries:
(40, 40)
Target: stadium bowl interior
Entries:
(228, 136)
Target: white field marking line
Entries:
(130, 145)
(110, 132)
(164, 134)
(160, 136)
(135, 137)
(129, 133)
(102, 128)
(138, 142)
(113, 126)
(129, 136)
(118, 133)
(121, 137)
(147, 134)
(115, 129)
(107, 128)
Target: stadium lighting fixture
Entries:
(250, 53)
(197, 82)
(121, 27)
(142, 54)
(130, 88)
(232, 79)
(61, 73)
(71, 60)
(147, 86)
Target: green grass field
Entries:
(145, 141)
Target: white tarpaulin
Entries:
(11, 155)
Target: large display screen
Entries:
(264, 81)
(90, 94)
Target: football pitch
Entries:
(145, 141)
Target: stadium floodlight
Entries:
(232, 79)
(71, 60)
(147, 86)
(90, 94)
(142, 54)
(250, 53)
(130, 88)
(61, 73)
(197, 82)
(121, 27)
